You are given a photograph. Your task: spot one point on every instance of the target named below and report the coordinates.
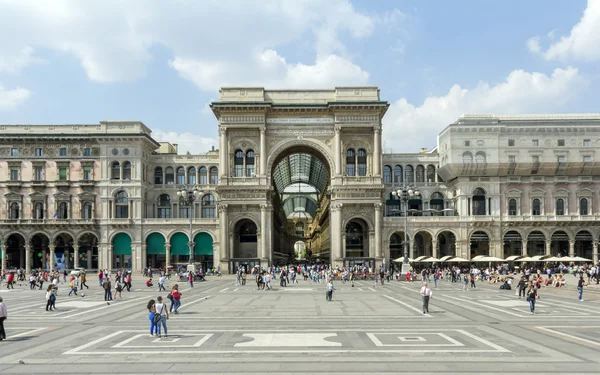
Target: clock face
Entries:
(115, 151)
(126, 151)
(480, 143)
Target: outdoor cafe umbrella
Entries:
(401, 259)
(458, 260)
(427, 260)
(513, 258)
(492, 259)
(446, 258)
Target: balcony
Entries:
(87, 183)
(179, 221)
(54, 221)
(62, 183)
(13, 183)
(39, 183)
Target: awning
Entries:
(401, 259)
(513, 258)
(446, 258)
(537, 258)
(458, 260)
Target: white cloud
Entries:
(13, 64)
(10, 99)
(583, 43)
(112, 39)
(408, 127)
(186, 141)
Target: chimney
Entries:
(213, 147)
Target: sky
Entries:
(163, 62)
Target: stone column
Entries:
(434, 248)
(27, 258)
(109, 256)
(76, 256)
(263, 152)
(336, 234)
(377, 150)
(3, 255)
(223, 163)
(571, 248)
(167, 255)
(378, 231)
(548, 247)
(67, 259)
(231, 236)
(52, 247)
(44, 263)
(223, 239)
(144, 256)
(89, 256)
(595, 252)
(264, 233)
(343, 245)
(337, 150)
(524, 248)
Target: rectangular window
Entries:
(14, 174)
(62, 173)
(38, 152)
(587, 159)
(587, 143)
(87, 151)
(535, 159)
(512, 159)
(87, 173)
(14, 151)
(38, 174)
(62, 151)
(535, 142)
(511, 142)
(561, 142)
(562, 159)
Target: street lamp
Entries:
(405, 193)
(187, 195)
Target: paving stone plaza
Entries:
(227, 328)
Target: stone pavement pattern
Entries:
(224, 328)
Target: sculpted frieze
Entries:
(250, 119)
(357, 118)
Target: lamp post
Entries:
(187, 195)
(405, 193)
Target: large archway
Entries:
(423, 245)
(447, 244)
(63, 253)
(122, 251)
(39, 247)
(203, 250)
(300, 176)
(397, 245)
(357, 244)
(559, 244)
(15, 251)
(245, 247)
(536, 243)
(88, 251)
(480, 244)
(512, 244)
(584, 244)
(156, 251)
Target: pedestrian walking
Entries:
(50, 297)
(176, 299)
(151, 312)
(580, 285)
(162, 311)
(83, 280)
(330, 289)
(118, 288)
(532, 296)
(3, 317)
(427, 294)
(161, 284)
(73, 286)
(465, 282)
(191, 278)
(107, 285)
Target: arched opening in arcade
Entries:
(423, 245)
(245, 248)
(480, 244)
(203, 250)
(15, 251)
(300, 177)
(39, 249)
(397, 246)
(156, 251)
(122, 251)
(447, 244)
(536, 243)
(512, 244)
(584, 244)
(559, 244)
(300, 251)
(88, 251)
(63, 252)
(356, 244)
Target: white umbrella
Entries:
(513, 258)
(492, 259)
(554, 259)
(419, 259)
(478, 258)
(458, 260)
(581, 259)
(446, 258)
(401, 259)
(428, 260)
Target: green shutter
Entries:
(179, 244)
(155, 244)
(122, 244)
(203, 244)
(62, 173)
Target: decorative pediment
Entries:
(62, 196)
(37, 196)
(12, 197)
(537, 193)
(86, 196)
(513, 193)
(585, 192)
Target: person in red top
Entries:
(149, 283)
(100, 277)
(191, 278)
(175, 299)
(10, 281)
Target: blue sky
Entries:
(162, 62)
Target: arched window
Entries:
(169, 175)
(398, 176)
(126, 170)
(87, 211)
(209, 207)
(158, 176)
(467, 157)
(536, 207)
(38, 211)
(409, 174)
(300, 229)
(238, 163)
(115, 170)
(203, 176)
(560, 206)
(583, 206)
(180, 176)
(250, 163)
(387, 174)
(14, 210)
(350, 162)
(437, 202)
(512, 207)
(164, 207)
(192, 175)
(420, 173)
(185, 210)
(479, 207)
(480, 157)
(361, 158)
(63, 210)
(247, 232)
(354, 236)
(430, 173)
(214, 175)
(121, 205)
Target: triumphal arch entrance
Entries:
(299, 169)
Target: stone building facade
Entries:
(297, 169)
